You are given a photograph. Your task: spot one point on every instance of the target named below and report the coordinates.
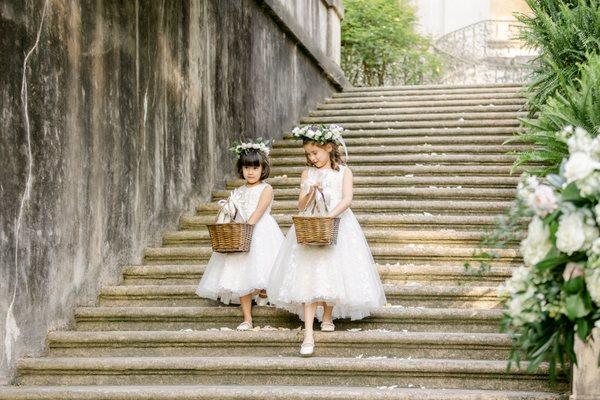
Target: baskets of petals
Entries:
(313, 227)
(230, 237)
(231, 233)
(316, 230)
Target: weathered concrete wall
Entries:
(120, 120)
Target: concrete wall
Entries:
(118, 120)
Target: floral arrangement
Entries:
(319, 133)
(240, 148)
(556, 295)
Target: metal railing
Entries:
(485, 52)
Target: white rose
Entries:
(579, 166)
(544, 200)
(310, 133)
(574, 234)
(573, 270)
(328, 135)
(581, 141)
(592, 282)
(537, 243)
(590, 185)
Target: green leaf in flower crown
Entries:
(571, 193)
(574, 285)
(576, 307)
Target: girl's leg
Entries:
(246, 303)
(309, 317)
(327, 310)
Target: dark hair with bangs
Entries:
(254, 158)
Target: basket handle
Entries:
(225, 213)
(312, 206)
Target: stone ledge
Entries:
(287, 24)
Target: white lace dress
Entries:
(230, 276)
(343, 275)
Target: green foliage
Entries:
(565, 33)
(381, 46)
(577, 103)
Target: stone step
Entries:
(373, 132)
(419, 91)
(382, 193)
(418, 150)
(454, 123)
(421, 116)
(477, 108)
(420, 221)
(383, 253)
(389, 207)
(499, 182)
(436, 140)
(447, 237)
(240, 392)
(474, 297)
(412, 103)
(481, 97)
(433, 159)
(190, 274)
(412, 170)
(434, 86)
(264, 343)
(431, 373)
(408, 90)
(397, 318)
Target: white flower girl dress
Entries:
(343, 275)
(230, 276)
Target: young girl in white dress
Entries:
(237, 277)
(342, 278)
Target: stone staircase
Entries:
(431, 173)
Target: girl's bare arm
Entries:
(263, 202)
(347, 188)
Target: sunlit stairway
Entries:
(431, 172)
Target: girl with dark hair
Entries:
(238, 277)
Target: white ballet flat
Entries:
(327, 327)
(307, 349)
(244, 326)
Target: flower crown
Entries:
(319, 133)
(258, 144)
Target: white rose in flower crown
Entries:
(328, 136)
(575, 233)
(579, 166)
(595, 248)
(544, 200)
(310, 134)
(537, 243)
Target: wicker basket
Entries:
(230, 237)
(316, 231)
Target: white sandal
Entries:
(327, 327)
(307, 348)
(244, 326)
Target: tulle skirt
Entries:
(228, 277)
(343, 275)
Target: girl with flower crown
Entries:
(237, 277)
(342, 279)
